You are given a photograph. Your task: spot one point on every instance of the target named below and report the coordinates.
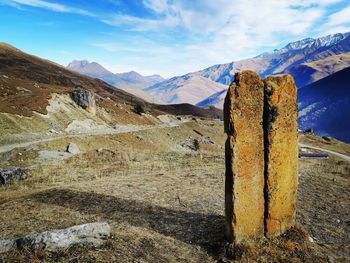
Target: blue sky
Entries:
(166, 37)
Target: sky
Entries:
(166, 37)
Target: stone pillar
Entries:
(244, 153)
(281, 154)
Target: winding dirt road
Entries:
(343, 156)
(121, 129)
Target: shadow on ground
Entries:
(190, 227)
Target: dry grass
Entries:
(164, 203)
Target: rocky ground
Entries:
(162, 191)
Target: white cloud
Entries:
(340, 17)
(224, 30)
(140, 24)
(158, 6)
(51, 6)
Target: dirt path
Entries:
(121, 129)
(343, 156)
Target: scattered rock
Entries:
(10, 174)
(94, 234)
(326, 138)
(73, 148)
(194, 143)
(205, 140)
(309, 131)
(330, 259)
(311, 239)
(191, 143)
(139, 137)
(23, 90)
(6, 245)
(84, 99)
(53, 131)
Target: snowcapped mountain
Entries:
(126, 80)
(306, 60)
(279, 61)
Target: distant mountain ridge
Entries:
(279, 61)
(125, 80)
(190, 88)
(307, 60)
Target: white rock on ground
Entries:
(73, 148)
(94, 234)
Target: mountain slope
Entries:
(325, 104)
(304, 73)
(216, 100)
(306, 60)
(309, 72)
(27, 84)
(279, 61)
(189, 88)
(125, 80)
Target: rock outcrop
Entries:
(281, 154)
(84, 99)
(244, 195)
(94, 234)
(10, 174)
(261, 153)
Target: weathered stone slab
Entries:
(281, 147)
(94, 234)
(244, 154)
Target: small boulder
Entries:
(10, 174)
(94, 234)
(73, 148)
(326, 138)
(84, 99)
(309, 131)
(139, 137)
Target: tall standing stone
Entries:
(244, 154)
(281, 154)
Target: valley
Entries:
(155, 172)
(163, 200)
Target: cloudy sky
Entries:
(167, 37)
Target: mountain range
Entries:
(310, 61)
(125, 80)
(28, 83)
(306, 60)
